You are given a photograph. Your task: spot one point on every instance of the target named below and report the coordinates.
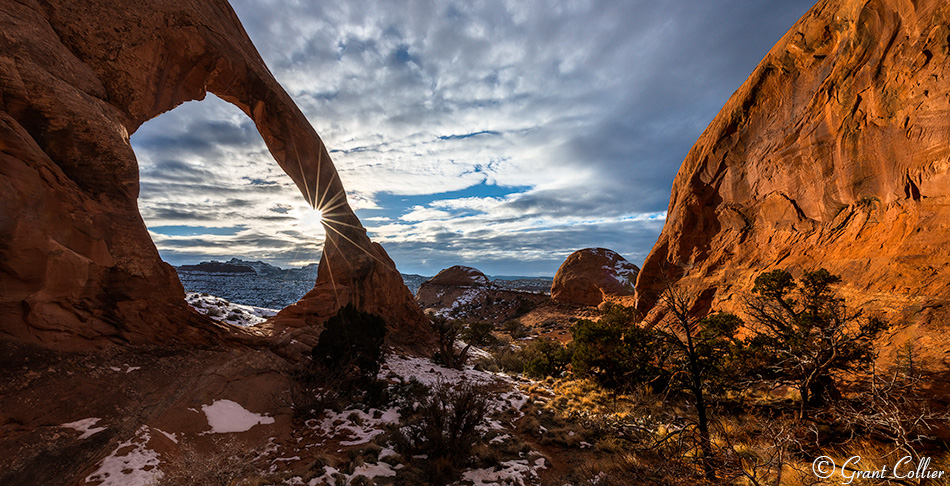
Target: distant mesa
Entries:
(217, 267)
(238, 266)
(588, 275)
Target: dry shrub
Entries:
(444, 426)
(445, 422)
(228, 463)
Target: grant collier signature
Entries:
(825, 468)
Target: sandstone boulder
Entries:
(77, 266)
(588, 275)
(458, 276)
(832, 154)
(448, 286)
(465, 293)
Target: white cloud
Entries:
(583, 109)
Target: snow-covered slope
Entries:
(227, 312)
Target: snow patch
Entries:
(171, 437)
(357, 426)
(85, 426)
(508, 472)
(226, 416)
(130, 464)
(428, 373)
(368, 471)
(128, 369)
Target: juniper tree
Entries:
(701, 350)
(804, 335)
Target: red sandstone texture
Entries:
(834, 153)
(590, 275)
(77, 266)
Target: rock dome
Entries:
(589, 274)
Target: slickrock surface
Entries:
(77, 266)
(588, 275)
(834, 153)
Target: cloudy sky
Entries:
(497, 134)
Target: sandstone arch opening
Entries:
(78, 268)
(223, 213)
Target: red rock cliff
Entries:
(835, 153)
(76, 79)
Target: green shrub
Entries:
(509, 358)
(343, 365)
(617, 353)
(351, 341)
(804, 335)
(515, 329)
(546, 357)
(479, 334)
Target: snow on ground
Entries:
(508, 472)
(467, 297)
(128, 369)
(426, 372)
(474, 274)
(171, 437)
(132, 463)
(330, 475)
(226, 416)
(357, 426)
(228, 312)
(85, 426)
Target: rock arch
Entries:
(76, 263)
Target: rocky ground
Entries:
(128, 416)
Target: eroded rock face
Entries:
(449, 285)
(466, 293)
(77, 266)
(834, 153)
(588, 275)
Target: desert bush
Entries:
(546, 357)
(447, 332)
(351, 342)
(406, 393)
(343, 365)
(509, 358)
(228, 463)
(515, 329)
(486, 363)
(804, 335)
(617, 353)
(479, 334)
(445, 422)
(524, 306)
